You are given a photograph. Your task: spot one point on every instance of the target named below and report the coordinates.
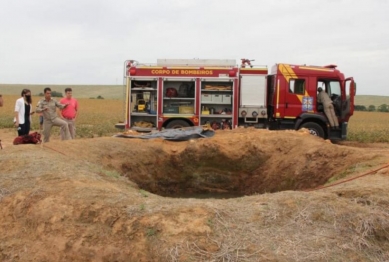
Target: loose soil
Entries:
(118, 199)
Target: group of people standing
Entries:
(47, 108)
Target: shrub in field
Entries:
(360, 108)
(371, 108)
(383, 108)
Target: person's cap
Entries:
(320, 89)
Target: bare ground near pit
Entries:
(74, 201)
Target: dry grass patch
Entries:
(369, 127)
(290, 226)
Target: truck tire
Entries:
(314, 129)
(177, 124)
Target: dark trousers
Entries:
(24, 129)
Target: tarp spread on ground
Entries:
(180, 134)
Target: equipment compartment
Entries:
(179, 96)
(216, 99)
(143, 101)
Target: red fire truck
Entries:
(176, 93)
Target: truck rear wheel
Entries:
(177, 124)
(314, 129)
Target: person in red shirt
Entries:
(69, 113)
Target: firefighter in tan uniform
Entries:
(48, 107)
(329, 110)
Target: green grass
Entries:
(151, 232)
(111, 173)
(142, 207)
(143, 193)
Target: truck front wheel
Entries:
(314, 129)
(177, 124)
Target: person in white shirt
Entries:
(23, 112)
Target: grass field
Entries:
(79, 91)
(97, 117)
(369, 127)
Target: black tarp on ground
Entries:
(180, 134)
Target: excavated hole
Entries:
(209, 172)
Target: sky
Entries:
(79, 42)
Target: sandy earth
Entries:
(120, 199)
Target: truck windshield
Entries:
(334, 88)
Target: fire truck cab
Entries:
(191, 92)
(292, 99)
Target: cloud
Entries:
(86, 42)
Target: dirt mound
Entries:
(89, 200)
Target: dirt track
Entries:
(74, 201)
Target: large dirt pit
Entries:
(242, 195)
